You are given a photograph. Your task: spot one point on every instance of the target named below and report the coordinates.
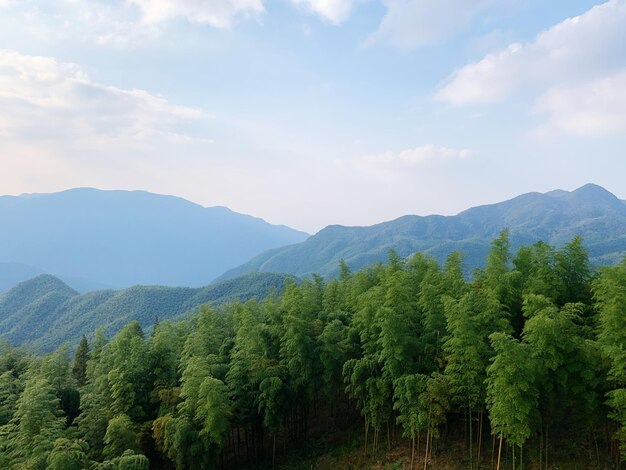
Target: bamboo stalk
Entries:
(426, 452)
(480, 439)
(499, 451)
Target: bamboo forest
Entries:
(405, 364)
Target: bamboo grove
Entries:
(524, 363)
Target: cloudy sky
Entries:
(314, 112)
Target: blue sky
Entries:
(314, 112)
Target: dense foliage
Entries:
(44, 312)
(554, 217)
(531, 352)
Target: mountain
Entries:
(89, 237)
(29, 308)
(554, 217)
(44, 312)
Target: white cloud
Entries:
(121, 23)
(577, 49)
(431, 152)
(413, 23)
(334, 11)
(45, 101)
(216, 13)
(593, 109)
(59, 128)
(428, 154)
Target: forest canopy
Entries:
(526, 362)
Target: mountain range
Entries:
(44, 312)
(554, 217)
(100, 238)
(94, 239)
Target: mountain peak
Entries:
(46, 282)
(554, 217)
(595, 199)
(592, 189)
(119, 238)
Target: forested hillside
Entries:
(44, 312)
(93, 239)
(554, 217)
(402, 365)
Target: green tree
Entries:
(67, 455)
(512, 396)
(407, 392)
(273, 402)
(129, 376)
(95, 398)
(79, 368)
(470, 321)
(334, 351)
(610, 293)
(565, 365)
(213, 410)
(36, 424)
(121, 435)
(537, 267)
(10, 389)
(572, 266)
(132, 461)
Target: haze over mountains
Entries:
(94, 239)
(129, 238)
(14, 273)
(554, 217)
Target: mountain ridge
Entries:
(121, 238)
(554, 217)
(44, 312)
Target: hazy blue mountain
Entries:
(44, 312)
(89, 237)
(554, 217)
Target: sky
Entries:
(314, 112)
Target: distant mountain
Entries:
(89, 237)
(44, 312)
(554, 217)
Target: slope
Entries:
(554, 217)
(124, 238)
(44, 312)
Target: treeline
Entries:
(527, 361)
